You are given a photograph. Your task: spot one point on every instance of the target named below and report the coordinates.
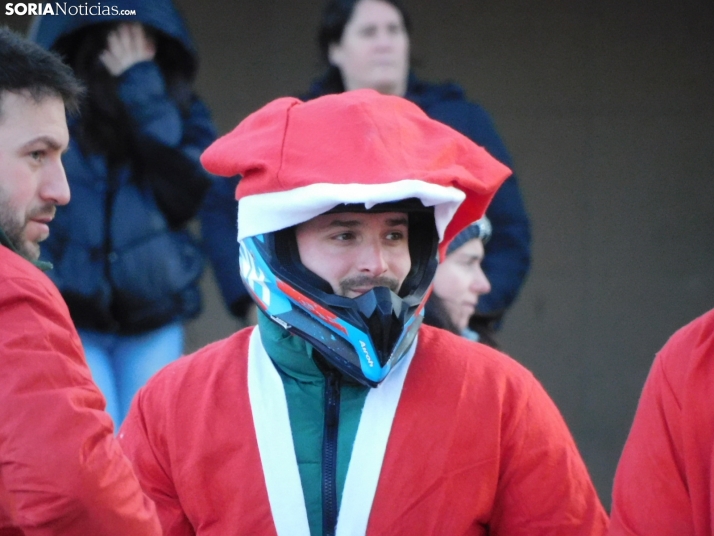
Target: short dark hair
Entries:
(26, 67)
(337, 14)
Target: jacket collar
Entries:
(5, 241)
(291, 354)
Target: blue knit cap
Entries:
(478, 229)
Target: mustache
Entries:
(360, 281)
(47, 210)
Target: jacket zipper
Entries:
(329, 452)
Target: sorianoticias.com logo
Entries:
(61, 8)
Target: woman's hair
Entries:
(435, 314)
(335, 16)
(105, 127)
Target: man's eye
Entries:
(344, 236)
(395, 235)
(37, 155)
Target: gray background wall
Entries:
(607, 109)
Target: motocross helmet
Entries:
(363, 337)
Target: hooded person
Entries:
(124, 260)
(320, 419)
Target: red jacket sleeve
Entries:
(664, 480)
(544, 486)
(650, 495)
(62, 470)
(145, 448)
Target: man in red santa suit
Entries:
(664, 481)
(340, 413)
(61, 468)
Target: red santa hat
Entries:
(301, 159)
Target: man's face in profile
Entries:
(33, 136)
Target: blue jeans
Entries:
(121, 364)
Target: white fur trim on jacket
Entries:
(277, 452)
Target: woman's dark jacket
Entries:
(122, 256)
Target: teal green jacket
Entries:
(305, 386)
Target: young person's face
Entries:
(33, 136)
(374, 49)
(355, 252)
(459, 281)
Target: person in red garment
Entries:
(340, 413)
(664, 481)
(61, 469)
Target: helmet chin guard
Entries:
(363, 337)
(382, 310)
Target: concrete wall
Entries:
(607, 109)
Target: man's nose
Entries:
(373, 259)
(55, 188)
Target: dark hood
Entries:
(160, 15)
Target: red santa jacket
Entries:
(476, 447)
(665, 478)
(61, 469)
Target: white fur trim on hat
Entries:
(266, 213)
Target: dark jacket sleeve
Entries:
(169, 141)
(219, 229)
(508, 254)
